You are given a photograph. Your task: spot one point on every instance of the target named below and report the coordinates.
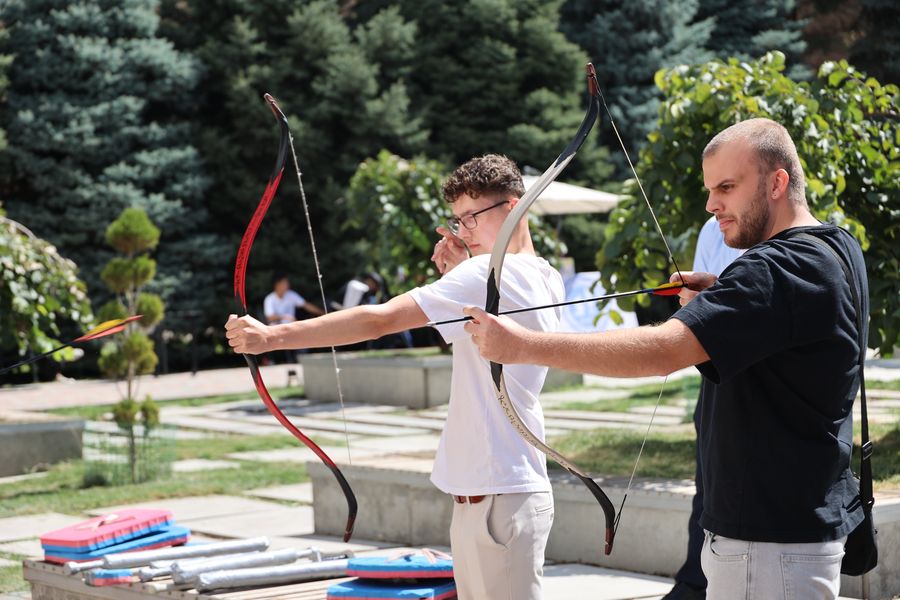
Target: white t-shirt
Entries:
(285, 305)
(712, 255)
(480, 452)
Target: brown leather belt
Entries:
(468, 499)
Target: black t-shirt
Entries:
(775, 433)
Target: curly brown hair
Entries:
(488, 174)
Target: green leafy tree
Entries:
(132, 235)
(629, 42)
(845, 127)
(40, 292)
(96, 121)
(395, 206)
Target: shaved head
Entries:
(773, 147)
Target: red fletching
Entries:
(668, 289)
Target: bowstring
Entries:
(312, 243)
(662, 388)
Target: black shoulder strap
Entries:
(865, 464)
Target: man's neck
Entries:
(795, 216)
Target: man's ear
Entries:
(780, 183)
(513, 200)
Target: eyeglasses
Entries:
(468, 221)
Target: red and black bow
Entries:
(240, 270)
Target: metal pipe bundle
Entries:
(186, 571)
(125, 560)
(163, 568)
(216, 580)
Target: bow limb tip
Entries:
(610, 537)
(273, 106)
(593, 86)
(348, 530)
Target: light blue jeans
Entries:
(741, 570)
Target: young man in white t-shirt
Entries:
(281, 303)
(503, 506)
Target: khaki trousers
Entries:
(498, 546)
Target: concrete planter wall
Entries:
(414, 379)
(28, 440)
(401, 505)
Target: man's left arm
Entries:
(642, 351)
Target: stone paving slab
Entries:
(297, 454)
(619, 382)
(570, 581)
(884, 404)
(298, 492)
(670, 411)
(213, 382)
(201, 464)
(5, 562)
(397, 421)
(338, 426)
(398, 445)
(281, 521)
(32, 526)
(583, 425)
(30, 548)
(186, 510)
(25, 477)
(332, 409)
(583, 394)
(229, 425)
(612, 417)
(108, 427)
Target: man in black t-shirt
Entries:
(776, 341)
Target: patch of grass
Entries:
(613, 452)
(687, 388)
(671, 454)
(11, 579)
(886, 457)
(95, 413)
(219, 447)
(62, 490)
(876, 384)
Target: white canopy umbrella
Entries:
(565, 199)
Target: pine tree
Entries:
(747, 29)
(95, 124)
(877, 51)
(629, 42)
(496, 76)
(345, 96)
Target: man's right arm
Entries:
(358, 324)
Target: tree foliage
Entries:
(745, 29)
(845, 127)
(96, 123)
(345, 96)
(40, 292)
(134, 236)
(395, 206)
(629, 42)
